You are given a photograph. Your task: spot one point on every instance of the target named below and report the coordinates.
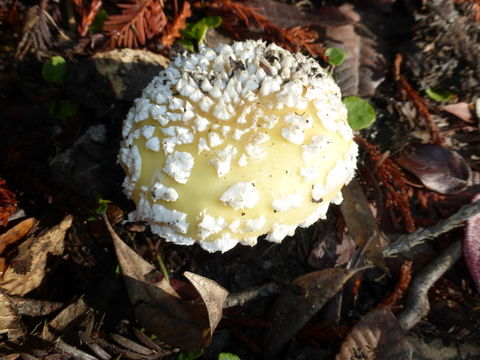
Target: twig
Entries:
(149, 342)
(417, 305)
(406, 242)
(100, 352)
(131, 345)
(74, 352)
(241, 297)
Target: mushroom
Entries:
(232, 143)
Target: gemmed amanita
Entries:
(231, 143)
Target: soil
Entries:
(58, 164)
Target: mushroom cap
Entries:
(232, 143)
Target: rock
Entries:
(117, 75)
(88, 167)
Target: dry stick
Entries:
(241, 297)
(405, 242)
(417, 305)
(99, 351)
(73, 351)
(131, 345)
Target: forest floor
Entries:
(71, 286)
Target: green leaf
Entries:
(336, 57)
(98, 21)
(190, 355)
(62, 109)
(228, 356)
(189, 44)
(211, 21)
(195, 33)
(54, 70)
(438, 94)
(360, 113)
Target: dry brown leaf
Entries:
(28, 268)
(137, 272)
(378, 336)
(34, 307)
(10, 323)
(438, 168)
(361, 223)
(296, 305)
(212, 295)
(16, 233)
(461, 110)
(364, 67)
(158, 307)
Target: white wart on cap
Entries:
(235, 142)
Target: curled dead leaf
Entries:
(297, 304)
(438, 168)
(461, 110)
(361, 223)
(364, 67)
(184, 323)
(28, 268)
(471, 246)
(378, 336)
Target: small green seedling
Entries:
(336, 57)
(62, 109)
(360, 113)
(190, 355)
(101, 208)
(54, 70)
(98, 21)
(227, 356)
(194, 34)
(438, 94)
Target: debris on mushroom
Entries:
(232, 143)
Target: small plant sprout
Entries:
(232, 143)
(360, 113)
(54, 70)
(336, 57)
(439, 95)
(101, 209)
(195, 33)
(228, 356)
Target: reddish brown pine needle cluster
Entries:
(392, 178)
(172, 30)
(242, 21)
(139, 21)
(9, 13)
(8, 204)
(401, 287)
(417, 101)
(86, 15)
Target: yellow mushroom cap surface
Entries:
(232, 143)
